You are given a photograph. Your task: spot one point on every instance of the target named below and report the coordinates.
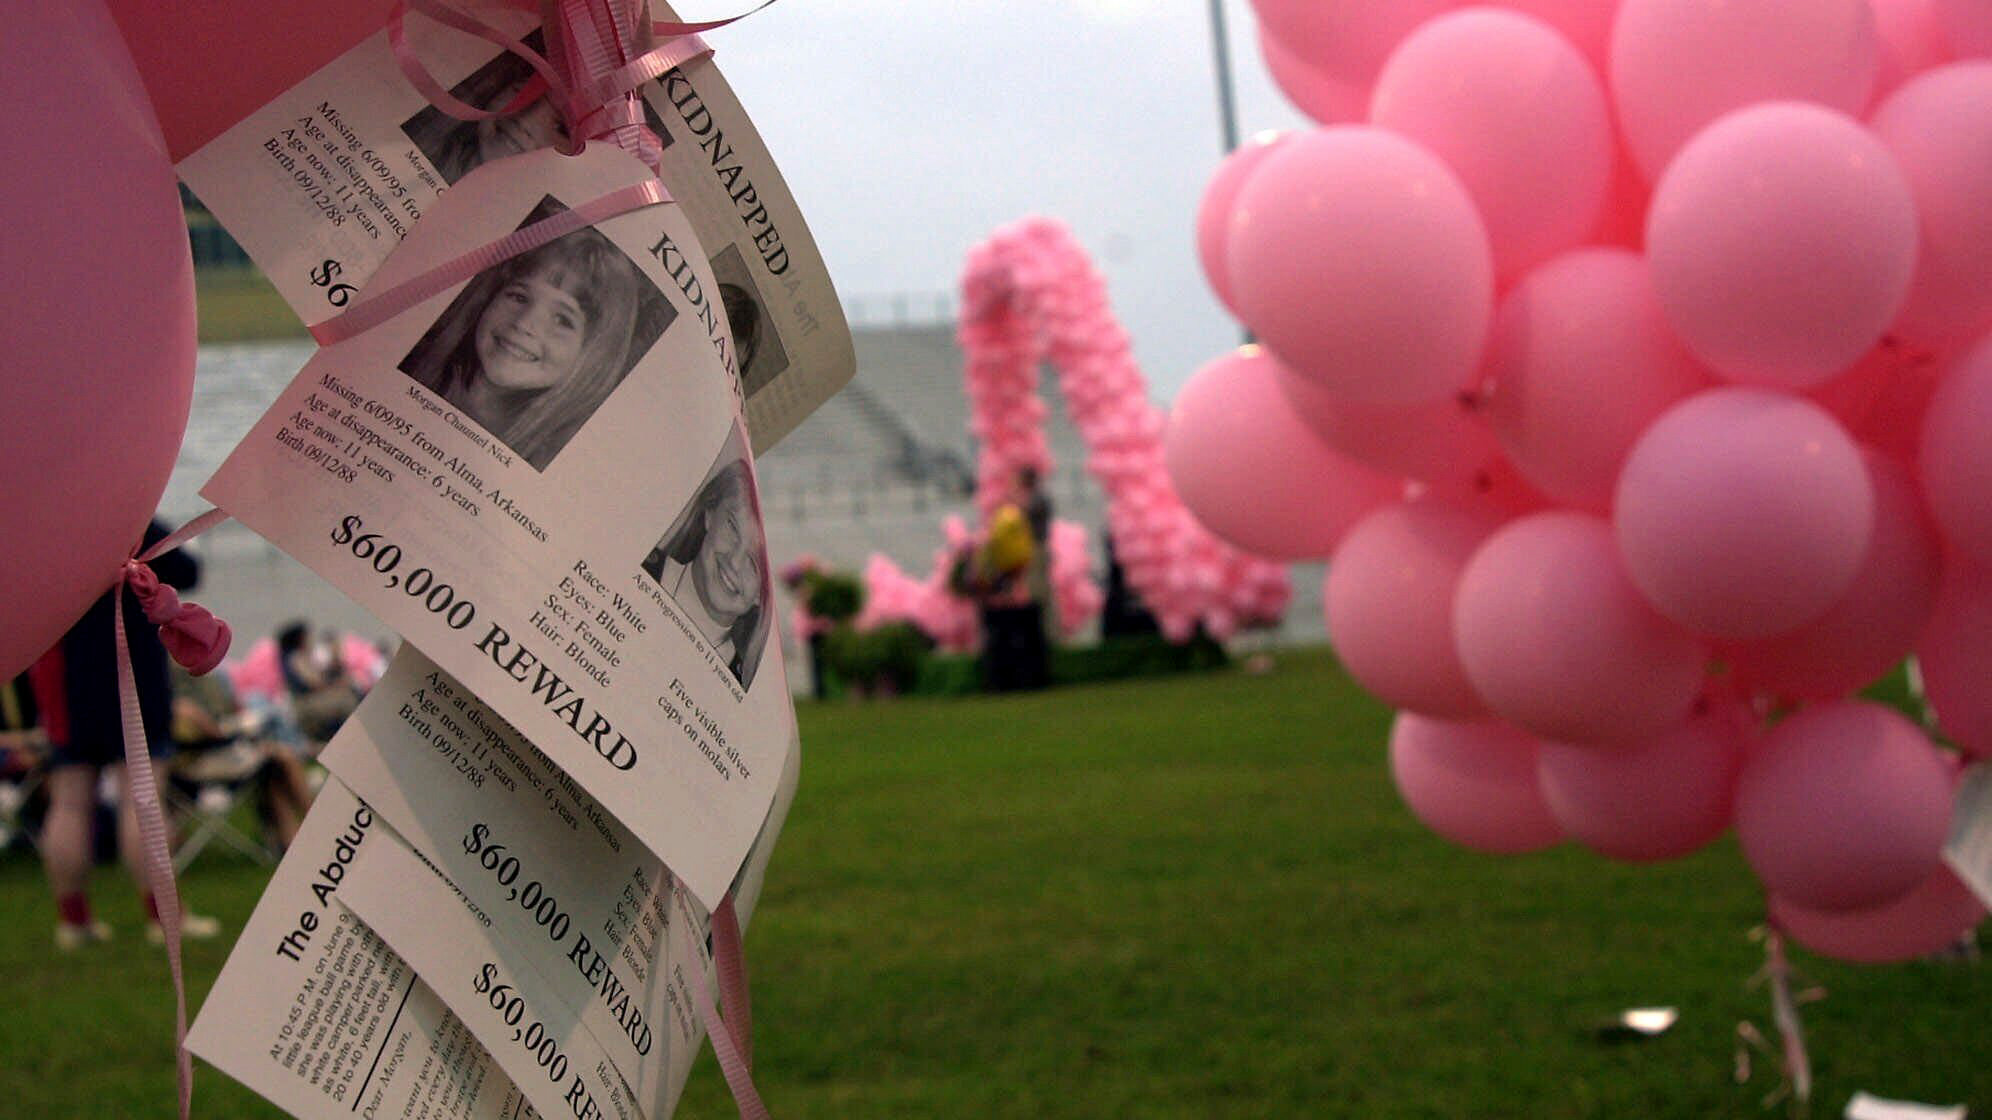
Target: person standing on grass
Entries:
(76, 687)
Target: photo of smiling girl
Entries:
(713, 561)
(532, 346)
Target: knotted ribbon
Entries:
(197, 641)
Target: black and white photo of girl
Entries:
(713, 562)
(532, 346)
(757, 346)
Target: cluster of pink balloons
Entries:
(932, 606)
(929, 604)
(1669, 322)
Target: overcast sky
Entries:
(909, 131)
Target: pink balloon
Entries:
(1517, 112)
(1472, 783)
(1556, 640)
(1586, 23)
(1580, 361)
(1932, 917)
(1623, 220)
(1388, 598)
(1359, 259)
(1346, 40)
(1214, 211)
(1956, 657)
(1252, 473)
(1677, 65)
(1783, 238)
(1875, 624)
(210, 64)
(1845, 806)
(1442, 441)
(1743, 513)
(1323, 97)
(1955, 461)
(1967, 27)
(1911, 40)
(1883, 399)
(1656, 798)
(99, 362)
(1939, 128)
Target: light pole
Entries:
(1227, 109)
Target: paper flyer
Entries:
(539, 477)
(321, 184)
(316, 1013)
(564, 896)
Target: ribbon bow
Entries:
(599, 62)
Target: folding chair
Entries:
(203, 788)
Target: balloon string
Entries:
(141, 784)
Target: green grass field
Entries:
(1188, 897)
(239, 305)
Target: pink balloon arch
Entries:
(1031, 296)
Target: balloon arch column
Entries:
(1030, 295)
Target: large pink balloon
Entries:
(1472, 783)
(1586, 23)
(1580, 361)
(1783, 238)
(1967, 27)
(1252, 473)
(1956, 657)
(98, 369)
(1442, 442)
(1845, 806)
(1931, 917)
(1743, 513)
(1346, 40)
(1556, 640)
(1912, 41)
(1875, 624)
(1656, 798)
(1323, 97)
(1388, 598)
(1359, 259)
(1679, 64)
(1512, 107)
(1955, 460)
(1939, 127)
(1214, 211)
(210, 64)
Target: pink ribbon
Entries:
(595, 72)
(375, 309)
(198, 641)
(731, 1042)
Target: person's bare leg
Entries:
(65, 852)
(289, 793)
(131, 846)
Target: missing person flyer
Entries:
(557, 897)
(316, 1013)
(322, 183)
(539, 477)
